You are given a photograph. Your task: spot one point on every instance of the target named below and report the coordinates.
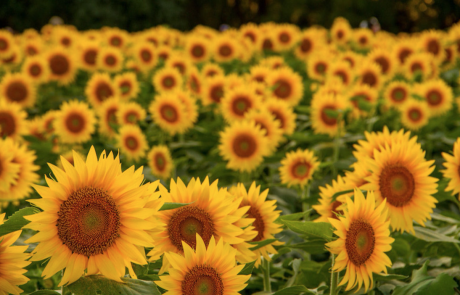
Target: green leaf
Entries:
(99, 285)
(294, 216)
(294, 290)
(247, 269)
(420, 279)
(331, 113)
(45, 292)
(17, 221)
(442, 284)
(261, 244)
(170, 206)
(295, 267)
(431, 236)
(322, 230)
(388, 277)
(311, 246)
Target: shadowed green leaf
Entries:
(17, 221)
(99, 285)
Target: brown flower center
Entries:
(180, 67)
(320, 68)
(168, 82)
(3, 44)
(383, 63)
(434, 97)
(284, 38)
(110, 60)
(280, 117)
(160, 161)
(306, 45)
(195, 84)
(89, 221)
(65, 41)
(225, 50)
(240, 105)
(125, 87)
(251, 36)
(131, 143)
(198, 51)
(202, 280)
(115, 41)
(244, 145)
(283, 89)
(259, 224)
(75, 122)
(403, 54)
(111, 116)
(131, 117)
(103, 91)
(327, 119)
(416, 66)
(398, 94)
(363, 40)
(146, 55)
(59, 64)
(35, 70)
(31, 51)
(16, 91)
(217, 92)
(340, 34)
(342, 75)
(301, 170)
(7, 124)
(267, 44)
(360, 242)
(334, 210)
(433, 47)
(90, 56)
(169, 113)
(186, 222)
(369, 78)
(415, 115)
(397, 185)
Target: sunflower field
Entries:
(262, 160)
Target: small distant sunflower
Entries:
(267, 122)
(64, 37)
(287, 85)
(363, 38)
(33, 47)
(145, 55)
(318, 66)
(18, 88)
(93, 219)
(251, 32)
(259, 74)
(286, 37)
(283, 113)
(397, 93)
(361, 93)
(163, 52)
(267, 41)
(197, 48)
(211, 69)
(400, 176)
(132, 142)
(430, 41)
(9, 170)
(100, 87)
(225, 49)
(12, 120)
(243, 145)
(451, 56)
(370, 73)
(297, 167)
(194, 82)
(438, 96)
(107, 114)
(130, 113)
(342, 71)
(36, 69)
(418, 64)
(414, 114)
(109, 59)
(62, 65)
(341, 31)
(116, 38)
(88, 55)
(327, 207)
(322, 122)
(160, 161)
(180, 62)
(6, 44)
(204, 271)
(239, 101)
(74, 123)
(190, 106)
(363, 238)
(13, 61)
(128, 86)
(169, 113)
(402, 50)
(13, 260)
(384, 59)
(352, 58)
(452, 171)
(213, 90)
(309, 41)
(167, 79)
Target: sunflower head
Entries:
(99, 88)
(341, 31)
(397, 93)
(12, 120)
(62, 65)
(74, 123)
(452, 171)
(325, 112)
(167, 79)
(127, 84)
(438, 96)
(197, 48)
(160, 161)
(329, 207)
(169, 113)
(132, 142)
(239, 101)
(297, 167)
(109, 59)
(414, 114)
(88, 55)
(283, 113)
(214, 89)
(145, 55)
(267, 122)
(18, 88)
(287, 85)
(130, 113)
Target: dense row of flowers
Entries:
(142, 92)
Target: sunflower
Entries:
(243, 145)
(327, 207)
(63, 36)
(361, 93)
(87, 55)
(74, 123)
(341, 31)
(13, 122)
(438, 96)
(107, 114)
(130, 113)
(100, 87)
(211, 213)
(264, 214)
(169, 113)
(267, 122)
(197, 49)
(225, 48)
(397, 93)
(36, 69)
(286, 36)
(309, 42)
(450, 58)
(127, 84)
(194, 82)
(145, 56)
(61, 64)
(363, 238)
(33, 47)
(418, 64)
(213, 90)
(160, 161)
(357, 177)
(163, 52)
(211, 69)
(26, 176)
(109, 59)
(14, 60)
(283, 113)
(9, 170)
(297, 167)
(259, 74)
(178, 61)
(287, 85)
(363, 38)
(452, 171)
(204, 271)
(6, 44)
(322, 121)
(414, 114)
(13, 261)
(18, 88)
(384, 59)
(239, 101)
(370, 73)
(341, 71)
(167, 79)
(191, 108)
(430, 41)
(267, 41)
(318, 65)
(251, 32)
(93, 219)
(400, 175)
(132, 142)
(402, 50)
(352, 58)
(116, 38)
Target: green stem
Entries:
(334, 278)
(304, 197)
(266, 268)
(337, 146)
(63, 289)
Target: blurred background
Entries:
(135, 15)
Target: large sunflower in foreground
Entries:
(211, 213)
(132, 142)
(12, 120)
(74, 123)
(243, 145)
(264, 215)
(204, 271)
(93, 219)
(297, 167)
(160, 161)
(12, 261)
(400, 176)
(452, 171)
(363, 238)
(18, 88)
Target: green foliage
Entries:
(98, 285)
(17, 221)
